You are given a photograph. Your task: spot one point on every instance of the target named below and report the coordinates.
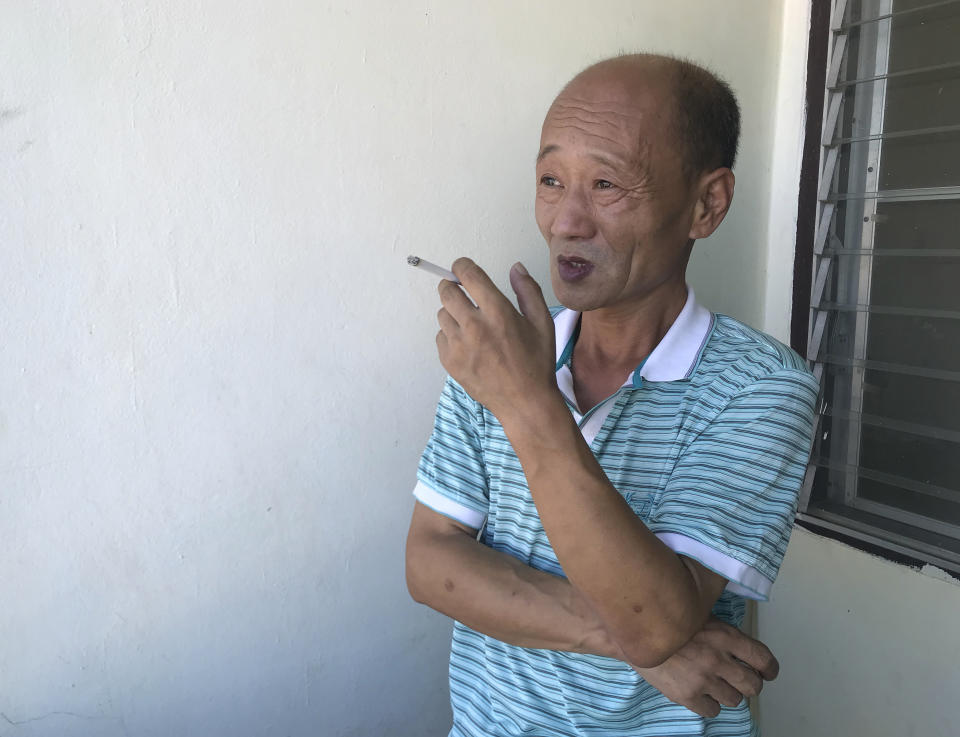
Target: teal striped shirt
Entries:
(707, 441)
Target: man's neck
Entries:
(621, 337)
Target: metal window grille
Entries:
(884, 336)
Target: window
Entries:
(883, 330)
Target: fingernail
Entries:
(519, 267)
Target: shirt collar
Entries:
(674, 357)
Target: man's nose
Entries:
(574, 216)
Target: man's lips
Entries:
(573, 268)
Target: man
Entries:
(632, 461)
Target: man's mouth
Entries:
(573, 268)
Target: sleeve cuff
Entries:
(447, 507)
(741, 578)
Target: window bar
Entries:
(916, 132)
(901, 195)
(826, 176)
(833, 114)
(816, 334)
(897, 311)
(820, 284)
(946, 66)
(845, 27)
(901, 515)
(823, 229)
(836, 56)
(836, 15)
(825, 212)
(904, 369)
(901, 426)
(879, 50)
(895, 252)
(901, 482)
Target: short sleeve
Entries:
(451, 478)
(732, 496)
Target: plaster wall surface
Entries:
(866, 647)
(218, 372)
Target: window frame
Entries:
(884, 539)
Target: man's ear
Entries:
(715, 195)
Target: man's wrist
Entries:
(536, 419)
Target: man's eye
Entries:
(603, 184)
(549, 181)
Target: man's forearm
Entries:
(498, 595)
(649, 599)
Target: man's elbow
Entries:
(413, 573)
(657, 644)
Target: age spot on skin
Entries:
(449, 585)
(637, 608)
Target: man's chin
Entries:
(577, 302)
(578, 296)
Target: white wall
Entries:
(218, 373)
(866, 647)
(789, 128)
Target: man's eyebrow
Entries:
(547, 150)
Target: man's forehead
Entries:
(622, 103)
(617, 131)
(602, 157)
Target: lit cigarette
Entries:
(422, 263)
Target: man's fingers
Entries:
(752, 652)
(480, 286)
(455, 301)
(757, 655)
(704, 706)
(724, 693)
(442, 344)
(771, 667)
(530, 298)
(742, 677)
(447, 324)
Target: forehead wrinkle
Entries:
(629, 108)
(580, 128)
(592, 116)
(637, 160)
(593, 108)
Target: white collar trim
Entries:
(674, 357)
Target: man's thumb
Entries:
(530, 298)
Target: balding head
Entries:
(632, 169)
(703, 118)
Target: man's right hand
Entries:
(720, 665)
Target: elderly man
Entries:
(605, 484)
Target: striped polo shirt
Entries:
(707, 441)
